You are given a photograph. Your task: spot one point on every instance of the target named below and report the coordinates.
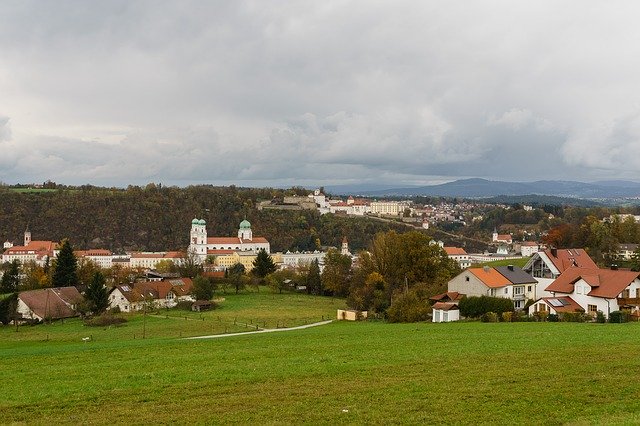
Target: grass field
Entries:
(370, 372)
(506, 262)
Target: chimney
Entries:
(486, 268)
(614, 267)
(554, 252)
(510, 267)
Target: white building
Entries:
(32, 251)
(201, 244)
(529, 248)
(390, 208)
(593, 290)
(459, 255)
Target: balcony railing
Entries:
(628, 301)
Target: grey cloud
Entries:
(191, 91)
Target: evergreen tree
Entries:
(263, 264)
(10, 278)
(66, 267)
(96, 295)
(314, 283)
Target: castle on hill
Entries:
(203, 245)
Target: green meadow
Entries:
(368, 372)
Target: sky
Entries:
(280, 93)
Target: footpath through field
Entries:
(266, 330)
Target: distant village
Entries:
(552, 281)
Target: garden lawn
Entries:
(369, 372)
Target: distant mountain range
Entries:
(481, 188)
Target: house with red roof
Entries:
(156, 294)
(459, 255)
(547, 265)
(48, 303)
(592, 290)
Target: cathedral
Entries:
(202, 245)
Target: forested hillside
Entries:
(158, 218)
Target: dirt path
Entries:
(267, 330)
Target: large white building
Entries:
(203, 245)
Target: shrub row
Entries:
(475, 307)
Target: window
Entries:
(592, 309)
(518, 304)
(518, 290)
(466, 278)
(529, 288)
(506, 290)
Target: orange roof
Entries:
(454, 250)
(490, 277)
(567, 258)
(605, 283)
(504, 237)
(529, 243)
(36, 246)
(174, 255)
(96, 252)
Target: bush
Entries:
(508, 317)
(574, 317)
(474, 307)
(408, 307)
(553, 318)
(489, 317)
(600, 318)
(105, 320)
(115, 310)
(618, 317)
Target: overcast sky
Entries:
(318, 92)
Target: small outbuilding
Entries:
(445, 312)
(201, 305)
(351, 315)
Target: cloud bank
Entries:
(307, 92)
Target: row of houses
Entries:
(554, 281)
(64, 302)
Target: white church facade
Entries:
(203, 245)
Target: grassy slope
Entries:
(417, 373)
(506, 262)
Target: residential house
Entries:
(594, 290)
(625, 251)
(529, 248)
(156, 294)
(49, 303)
(508, 281)
(545, 266)
(459, 255)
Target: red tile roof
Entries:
(567, 258)
(454, 250)
(448, 296)
(445, 306)
(605, 283)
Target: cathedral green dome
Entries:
(194, 222)
(245, 224)
(202, 222)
